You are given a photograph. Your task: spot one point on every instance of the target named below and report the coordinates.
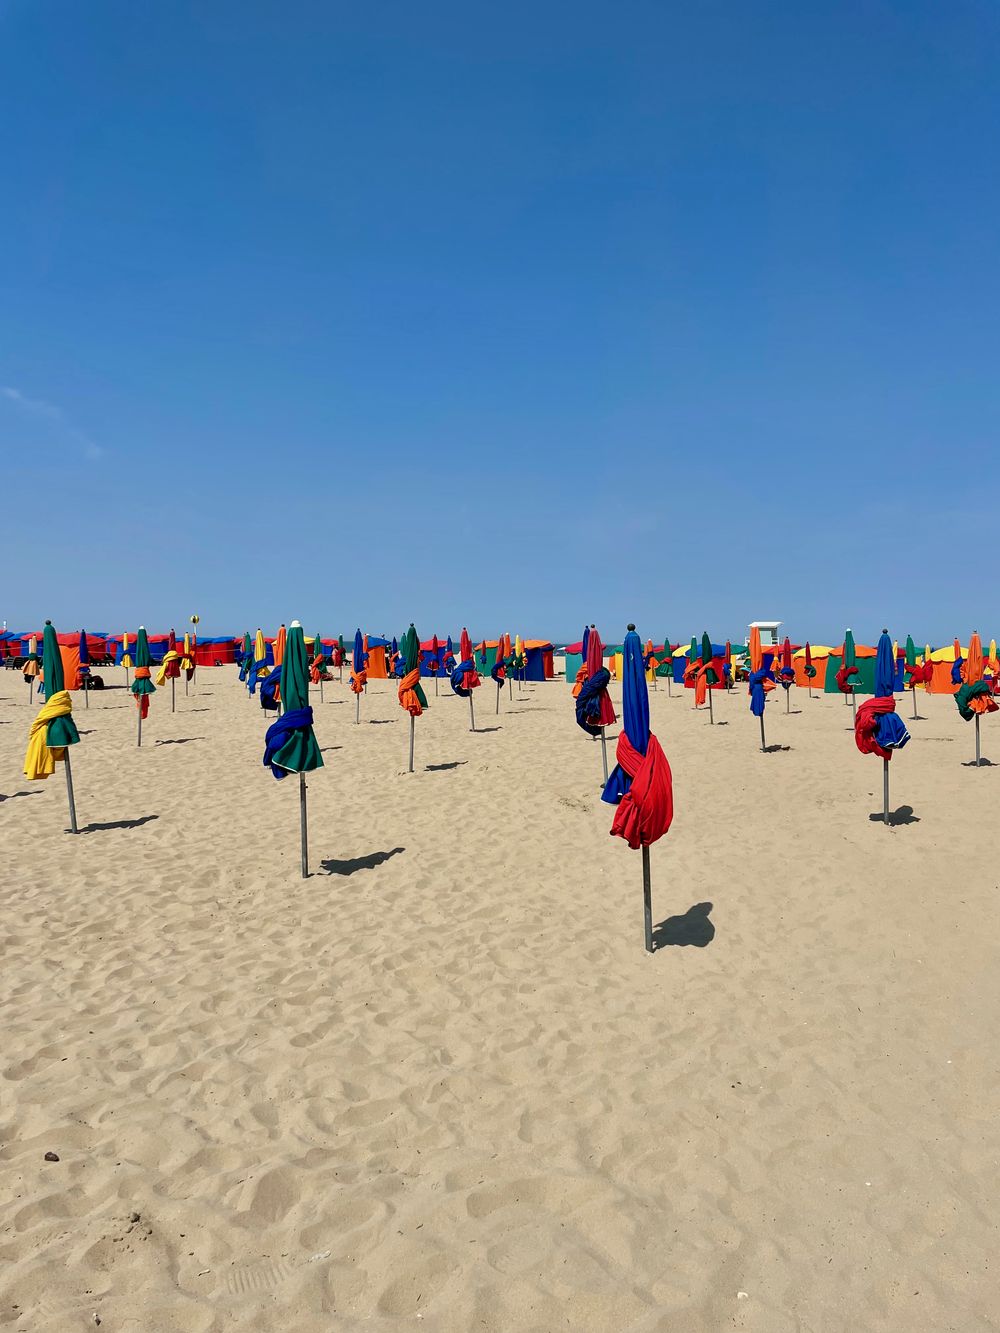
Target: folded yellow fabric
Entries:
(39, 760)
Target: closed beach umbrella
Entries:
(246, 656)
(142, 685)
(289, 743)
(910, 666)
(878, 729)
(187, 658)
(341, 653)
(53, 730)
(498, 671)
(31, 667)
(974, 697)
(641, 784)
(465, 677)
(667, 664)
(810, 670)
(317, 668)
(787, 670)
(85, 668)
(759, 682)
(170, 669)
(259, 660)
(359, 676)
(411, 693)
(435, 663)
(594, 709)
(280, 640)
(848, 670)
(707, 677)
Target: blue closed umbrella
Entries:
(640, 784)
(85, 667)
(879, 729)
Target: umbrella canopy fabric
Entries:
(84, 654)
(756, 652)
(411, 694)
(974, 694)
(142, 687)
(290, 745)
(246, 656)
(170, 666)
(278, 650)
(641, 784)
(594, 708)
(359, 676)
(848, 665)
(53, 728)
(465, 677)
(910, 651)
(787, 670)
(878, 728)
(187, 656)
(317, 666)
(809, 668)
(126, 658)
(31, 667)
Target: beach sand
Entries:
(439, 1085)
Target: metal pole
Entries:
(499, 688)
(86, 693)
(913, 691)
(711, 714)
(412, 719)
(185, 684)
(885, 790)
(647, 901)
(303, 827)
(139, 741)
(357, 708)
(31, 689)
(670, 682)
(762, 745)
(604, 755)
(977, 740)
(321, 689)
(854, 706)
(788, 700)
(69, 793)
(126, 677)
(435, 685)
(173, 695)
(510, 689)
(472, 711)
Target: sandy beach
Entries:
(439, 1085)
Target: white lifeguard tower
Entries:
(768, 630)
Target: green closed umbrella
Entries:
(411, 692)
(711, 676)
(142, 686)
(911, 661)
(289, 745)
(666, 667)
(319, 662)
(53, 729)
(850, 660)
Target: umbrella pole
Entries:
(788, 701)
(472, 711)
(854, 706)
(510, 688)
(435, 686)
(411, 742)
(139, 740)
(885, 790)
(711, 714)
(604, 755)
(977, 740)
(321, 689)
(303, 826)
(762, 745)
(357, 708)
(69, 794)
(499, 688)
(126, 677)
(647, 901)
(86, 694)
(173, 695)
(31, 689)
(185, 684)
(670, 681)
(913, 691)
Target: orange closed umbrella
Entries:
(974, 696)
(756, 653)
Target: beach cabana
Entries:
(820, 654)
(432, 655)
(864, 660)
(539, 662)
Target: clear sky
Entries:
(509, 315)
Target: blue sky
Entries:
(518, 316)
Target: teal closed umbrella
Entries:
(411, 693)
(142, 685)
(289, 744)
(53, 731)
